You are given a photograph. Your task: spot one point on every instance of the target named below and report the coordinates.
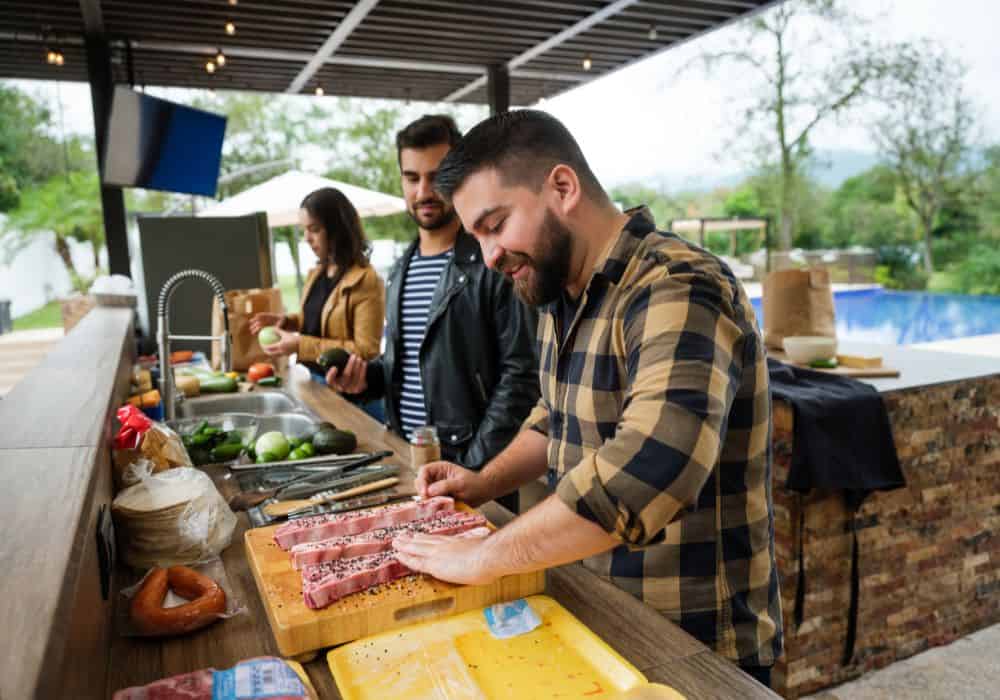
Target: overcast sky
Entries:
(647, 123)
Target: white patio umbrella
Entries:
(280, 197)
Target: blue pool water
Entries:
(902, 318)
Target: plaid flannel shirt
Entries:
(658, 415)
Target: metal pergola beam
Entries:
(102, 85)
(540, 48)
(330, 46)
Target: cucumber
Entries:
(218, 385)
(225, 452)
(266, 381)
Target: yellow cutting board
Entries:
(459, 659)
(298, 629)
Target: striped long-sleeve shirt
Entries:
(419, 285)
(657, 410)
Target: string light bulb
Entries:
(230, 28)
(319, 91)
(210, 67)
(652, 33)
(50, 57)
(587, 63)
(233, 2)
(59, 58)
(220, 59)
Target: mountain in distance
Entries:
(830, 167)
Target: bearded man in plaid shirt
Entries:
(654, 423)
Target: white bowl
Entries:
(803, 349)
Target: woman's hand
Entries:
(288, 344)
(264, 319)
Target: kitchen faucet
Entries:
(163, 337)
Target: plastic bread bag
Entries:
(140, 438)
(171, 517)
(252, 679)
(212, 569)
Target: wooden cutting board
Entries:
(299, 630)
(869, 372)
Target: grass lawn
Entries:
(48, 316)
(940, 281)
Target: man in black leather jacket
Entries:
(475, 361)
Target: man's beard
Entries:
(446, 216)
(549, 267)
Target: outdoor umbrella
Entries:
(280, 197)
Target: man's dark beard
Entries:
(550, 266)
(446, 216)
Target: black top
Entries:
(566, 308)
(312, 310)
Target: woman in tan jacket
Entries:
(343, 300)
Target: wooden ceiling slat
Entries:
(455, 32)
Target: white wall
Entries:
(36, 275)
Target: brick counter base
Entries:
(929, 554)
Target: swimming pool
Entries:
(903, 318)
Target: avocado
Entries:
(332, 441)
(334, 357)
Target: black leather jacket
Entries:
(478, 361)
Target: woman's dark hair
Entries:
(345, 236)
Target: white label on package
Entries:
(507, 620)
(256, 680)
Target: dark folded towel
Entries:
(842, 442)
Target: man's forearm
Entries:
(524, 460)
(550, 534)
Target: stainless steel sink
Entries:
(261, 403)
(298, 425)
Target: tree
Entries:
(925, 133)
(795, 95)
(68, 206)
(866, 210)
(365, 155)
(27, 154)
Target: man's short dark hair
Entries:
(429, 130)
(523, 146)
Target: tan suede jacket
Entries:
(353, 315)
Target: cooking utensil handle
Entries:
(361, 490)
(283, 508)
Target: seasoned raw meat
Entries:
(324, 527)
(381, 539)
(322, 584)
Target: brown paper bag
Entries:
(243, 305)
(798, 302)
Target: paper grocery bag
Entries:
(243, 305)
(798, 302)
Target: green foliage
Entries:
(69, 207)
(865, 211)
(979, 273)
(898, 268)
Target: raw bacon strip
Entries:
(323, 584)
(378, 540)
(324, 527)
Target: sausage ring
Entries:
(206, 599)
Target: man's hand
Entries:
(264, 319)
(449, 479)
(452, 558)
(288, 344)
(354, 379)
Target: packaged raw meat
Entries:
(253, 679)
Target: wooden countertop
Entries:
(657, 647)
(54, 475)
